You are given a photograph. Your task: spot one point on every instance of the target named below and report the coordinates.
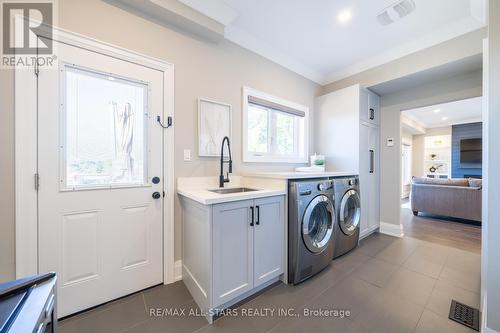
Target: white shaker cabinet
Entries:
(268, 248)
(232, 250)
(348, 135)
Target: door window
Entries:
(350, 212)
(317, 225)
(104, 128)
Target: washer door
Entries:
(350, 212)
(317, 223)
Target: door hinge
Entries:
(37, 181)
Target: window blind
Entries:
(275, 106)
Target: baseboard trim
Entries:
(484, 319)
(391, 229)
(488, 330)
(178, 270)
(368, 232)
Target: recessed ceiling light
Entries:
(444, 118)
(344, 16)
(437, 110)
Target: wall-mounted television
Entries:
(471, 150)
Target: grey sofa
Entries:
(456, 197)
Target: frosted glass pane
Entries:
(105, 130)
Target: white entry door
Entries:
(99, 151)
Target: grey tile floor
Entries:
(387, 285)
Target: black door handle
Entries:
(252, 218)
(156, 195)
(372, 114)
(258, 215)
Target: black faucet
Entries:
(223, 180)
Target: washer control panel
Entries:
(323, 186)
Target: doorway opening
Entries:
(441, 186)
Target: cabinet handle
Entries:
(258, 215)
(252, 219)
(372, 114)
(372, 160)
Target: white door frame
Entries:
(25, 106)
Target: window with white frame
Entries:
(274, 130)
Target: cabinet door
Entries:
(364, 106)
(364, 177)
(232, 250)
(374, 176)
(373, 108)
(269, 233)
(368, 178)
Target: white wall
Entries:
(213, 70)
(418, 153)
(491, 208)
(406, 140)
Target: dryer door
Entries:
(317, 223)
(350, 212)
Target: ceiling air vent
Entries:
(396, 11)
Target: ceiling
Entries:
(452, 113)
(306, 37)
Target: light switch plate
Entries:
(390, 142)
(187, 154)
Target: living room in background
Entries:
(443, 192)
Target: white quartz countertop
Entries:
(198, 189)
(300, 175)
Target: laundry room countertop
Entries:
(198, 189)
(300, 175)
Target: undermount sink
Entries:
(233, 190)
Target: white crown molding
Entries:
(217, 10)
(248, 41)
(449, 32)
